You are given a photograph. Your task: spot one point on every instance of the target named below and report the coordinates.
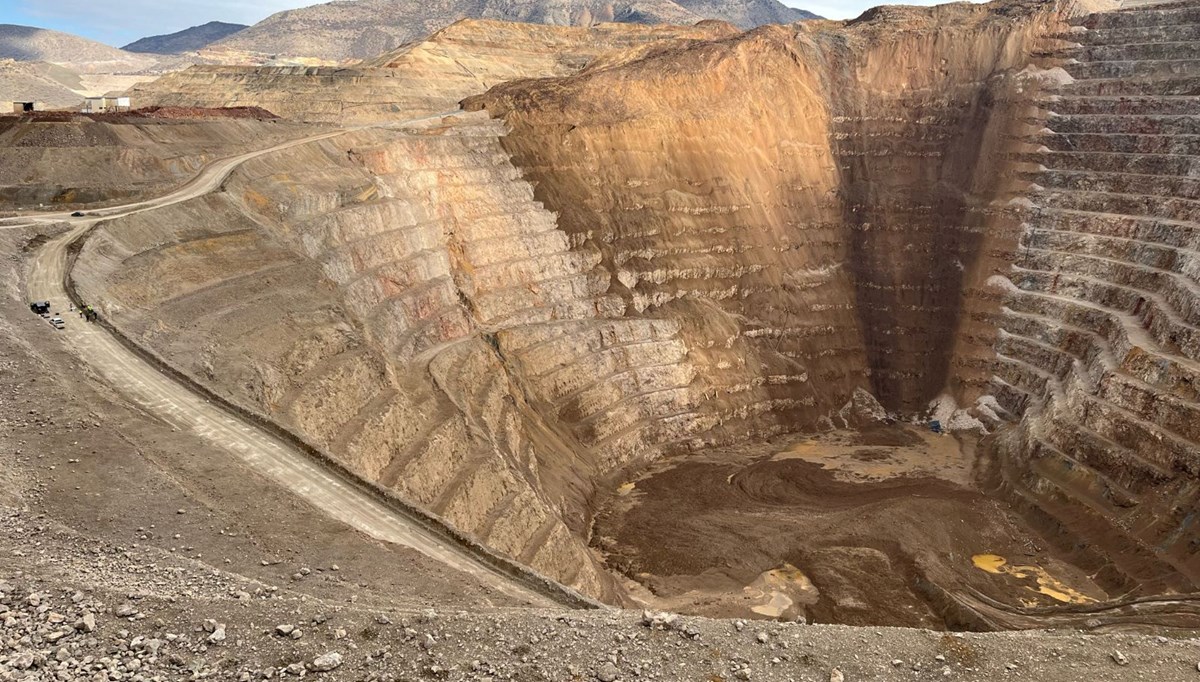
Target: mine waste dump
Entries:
(893, 321)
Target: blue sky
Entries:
(118, 22)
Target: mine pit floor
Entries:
(866, 527)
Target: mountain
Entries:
(49, 84)
(359, 29)
(29, 44)
(187, 40)
(747, 13)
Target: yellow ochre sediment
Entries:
(1046, 583)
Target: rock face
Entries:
(1099, 342)
(187, 40)
(361, 29)
(761, 192)
(747, 13)
(366, 315)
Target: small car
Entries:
(57, 322)
(77, 214)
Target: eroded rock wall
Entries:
(813, 205)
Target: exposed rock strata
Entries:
(811, 204)
(1098, 348)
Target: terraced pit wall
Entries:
(352, 289)
(1101, 331)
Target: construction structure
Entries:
(100, 105)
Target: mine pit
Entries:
(885, 322)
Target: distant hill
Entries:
(187, 40)
(48, 84)
(747, 13)
(29, 44)
(360, 29)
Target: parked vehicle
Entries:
(40, 307)
(78, 214)
(57, 322)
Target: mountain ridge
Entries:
(32, 44)
(361, 29)
(188, 40)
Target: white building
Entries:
(97, 105)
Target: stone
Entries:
(22, 661)
(218, 634)
(86, 623)
(607, 672)
(327, 662)
(1119, 658)
(659, 620)
(836, 675)
(285, 629)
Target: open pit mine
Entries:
(885, 322)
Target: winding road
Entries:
(265, 453)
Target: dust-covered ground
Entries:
(130, 551)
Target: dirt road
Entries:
(185, 410)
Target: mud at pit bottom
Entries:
(860, 528)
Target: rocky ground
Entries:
(131, 551)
